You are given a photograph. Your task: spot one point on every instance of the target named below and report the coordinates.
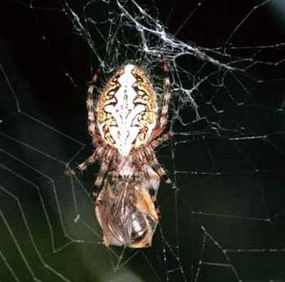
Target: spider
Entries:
(125, 128)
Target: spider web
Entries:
(226, 223)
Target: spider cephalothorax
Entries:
(126, 127)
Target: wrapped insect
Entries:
(126, 211)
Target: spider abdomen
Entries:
(127, 109)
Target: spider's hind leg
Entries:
(154, 163)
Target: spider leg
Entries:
(156, 142)
(154, 163)
(96, 139)
(104, 168)
(91, 106)
(151, 181)
(164, 175)
(165, 104)
(87, 162)
(91, 159)
(164, 110)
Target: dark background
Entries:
(226, 223)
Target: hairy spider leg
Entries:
(164, 110)
(149, 155)
(91, 107)
(96, 138)
(156, 142)
(153, 161)
(91, 159)
(151, 181)
(106, 160)
(163, 117)
(81, 167)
